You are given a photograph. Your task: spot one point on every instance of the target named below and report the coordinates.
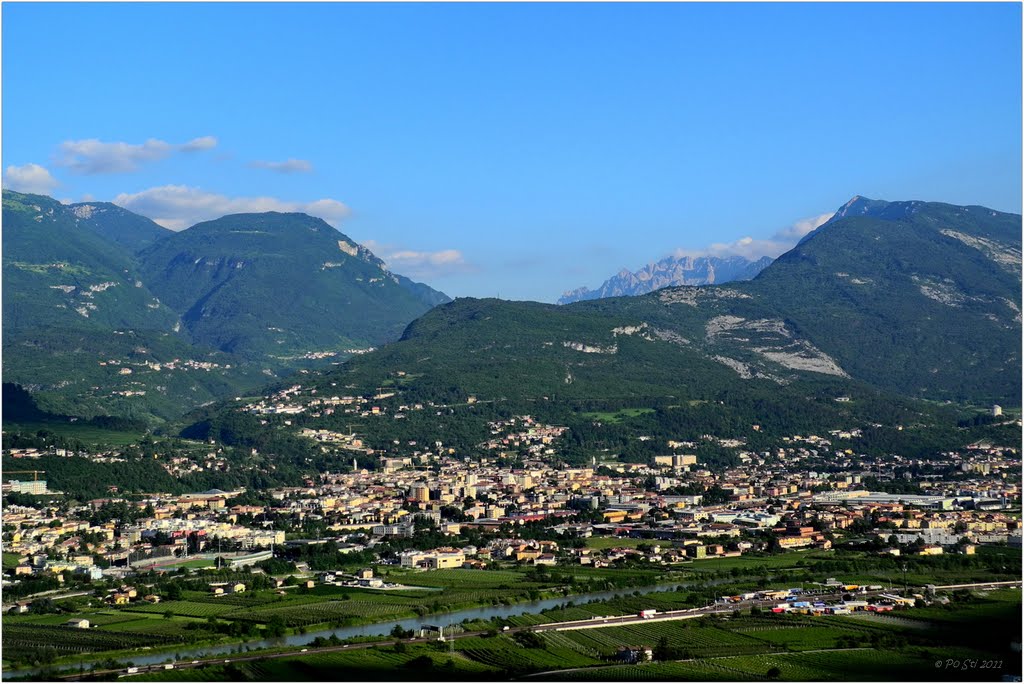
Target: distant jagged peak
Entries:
(673, 270)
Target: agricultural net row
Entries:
(522, 659)
(104, 619)
(148, 626)
(691, 671)
(315, 613)
(803, 639)
(465, 578)
(185, 608)
(561, 640)
(69, 640)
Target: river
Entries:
(377, 628)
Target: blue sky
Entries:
(517, 150)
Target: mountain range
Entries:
(672, 270)
(106, 311)
(914, 299)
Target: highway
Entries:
(609, 621)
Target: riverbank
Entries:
(355, 628)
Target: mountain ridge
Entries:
(919, 299)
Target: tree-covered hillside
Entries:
(279, 285)
(59, 273)
(91, 329)
(918, 298)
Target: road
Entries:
(610, 621)
(689, 613)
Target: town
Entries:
(423, 528)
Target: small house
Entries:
(634, 654)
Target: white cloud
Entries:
(802, 227)
(754, 248)
(286, 166)
(207, 142)
(178, 206)
(444, 257)
(420, 264)
(94, 156)
(329, 210)
(31, 178)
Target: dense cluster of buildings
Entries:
(807, 492)
(772, 510)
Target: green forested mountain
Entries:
(57, 272)
(280, 285)
(912, 298)
(91, 327)
(83, 330)
(918, 298)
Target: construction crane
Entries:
(35, 473)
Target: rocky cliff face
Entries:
(671, 271)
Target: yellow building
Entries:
(439, 561)
(614, 516)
